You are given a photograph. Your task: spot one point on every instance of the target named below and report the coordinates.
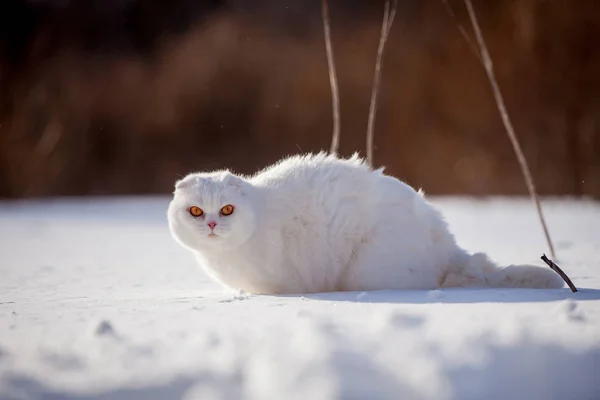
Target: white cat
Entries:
(318, 223)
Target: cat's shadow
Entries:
(455, 296)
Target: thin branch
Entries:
(462, 31)
(560, 272)
(390, 19)
(489, 68)
(335, 99)
(386, 26)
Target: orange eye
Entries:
(227, 210)
(196, 211)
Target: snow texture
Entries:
(98, 302)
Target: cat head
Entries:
(214, 210)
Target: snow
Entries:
(98, 302)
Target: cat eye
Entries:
(196, 211)
(227, 210)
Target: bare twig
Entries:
(560, 272)
(386, 26)
(489, 68)
(462, 31)
(391, 16)
(335, 138)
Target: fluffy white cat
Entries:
(319, 223)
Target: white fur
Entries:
(318, 223)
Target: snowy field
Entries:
(98, 302)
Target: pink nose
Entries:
(212, 224)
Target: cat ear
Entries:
(234, 181)
(186, 182)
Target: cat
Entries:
(320, 223)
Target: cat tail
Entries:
(478, 270)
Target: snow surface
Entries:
(98, 302)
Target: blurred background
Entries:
(105, 97)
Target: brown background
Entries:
(124, 97)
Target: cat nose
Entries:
(212, 224)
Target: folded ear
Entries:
(187, 181)
(234, 181)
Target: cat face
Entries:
(212, 210)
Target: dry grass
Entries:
(335, 92)
(389, 14)
(506, 120)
